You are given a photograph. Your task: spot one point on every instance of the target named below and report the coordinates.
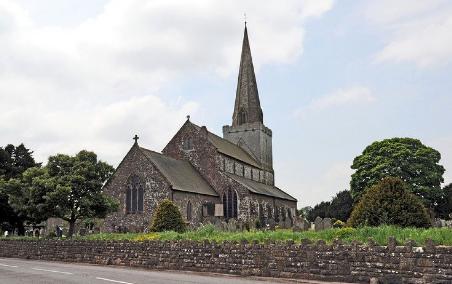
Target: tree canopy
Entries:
(14, 160)
(390, 202)
(75, 184)
(445, 204)
(405, 158)
(338, 208)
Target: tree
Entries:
(445, 204)
(338, 208)
(167, 217)
(27, 195)
(14, 160)
(321, 210)
(390, 202)
(405, 158)
(76, 188)
(341, 206)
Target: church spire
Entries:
(247, 107)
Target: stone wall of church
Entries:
(233, 166)
(156, 189)
(197, 202)
(212, 165)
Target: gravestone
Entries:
(305, 225)
(82, 232)
(318, 224)
(327, 224)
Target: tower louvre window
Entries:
(243, 117)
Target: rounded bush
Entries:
(390, 202)
(167, 217)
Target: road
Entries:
(15, 271)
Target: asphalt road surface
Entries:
(15, 271)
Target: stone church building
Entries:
(208, 177)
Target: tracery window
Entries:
(134, 195)
(230, 204)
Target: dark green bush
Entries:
(167, 217)
(390, 202)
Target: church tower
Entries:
(248, 130)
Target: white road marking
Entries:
(54, 271)
(1, 264)
(111, 280)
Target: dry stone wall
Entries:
(337, 262)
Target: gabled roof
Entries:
(180, 174)
(230, 149)
(260, 188)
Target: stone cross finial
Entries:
(244, 15)
(136, 138)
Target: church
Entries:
(210, 178)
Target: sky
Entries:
(333, 77)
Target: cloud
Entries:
(95, 83)
(348, 96)
(419, 31)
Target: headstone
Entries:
(318, 224)
(271, 224)
(327, 224)
(82, 232)
(305, 225)
(232, 225)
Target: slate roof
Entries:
(228, 148)
(180, 174)
(260, 188)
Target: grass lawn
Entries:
(441, 236)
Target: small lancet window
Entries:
(187, 144)
(189, 211)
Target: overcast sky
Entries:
(333, 76)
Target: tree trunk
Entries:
(71, 228)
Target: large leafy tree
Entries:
(27, 195)
(390, 202)
(14, 160)
(76, 187)
(405, 158)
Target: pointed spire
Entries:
(247, 107)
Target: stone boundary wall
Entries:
(337, 262)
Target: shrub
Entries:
(167, 217)
(338, 224)
(390, 202)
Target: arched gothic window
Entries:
(230, 204)
(189, 214)
(243, 117)
(134, 195)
